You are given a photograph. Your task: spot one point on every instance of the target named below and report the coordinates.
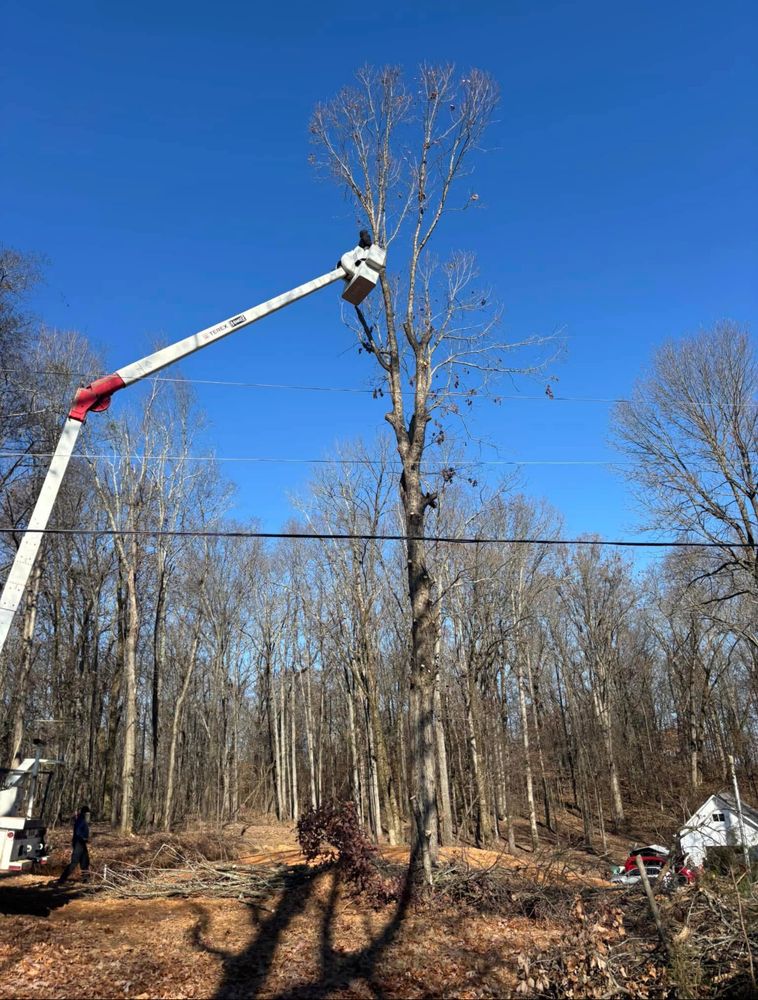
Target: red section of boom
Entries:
(96, 396)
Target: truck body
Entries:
(23, 831)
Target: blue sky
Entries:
(157, 154)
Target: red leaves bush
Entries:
(333, 832)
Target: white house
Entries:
(716, 824)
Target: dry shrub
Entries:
(334, 834)
(502, 891)
(594, 958)
(113, 849)
(612, 948)
(209, 845)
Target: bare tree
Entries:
(598, 597)
(401, 153)
(354, 498)
(691, 430)
(19, 272)
(124, 491)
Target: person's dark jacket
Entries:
(81, 829)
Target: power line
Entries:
(269, 460)
(373, 537)
(31, 413)
(542, 397)
(377, 393)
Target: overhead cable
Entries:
(333, 388)
(268, 460)
(374, 537)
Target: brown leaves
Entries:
(334, 832)
(584, 964)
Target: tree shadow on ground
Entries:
(246, 974)
(37, 900)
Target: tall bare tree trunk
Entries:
(293, 754)
(443, 779)
(375, 810)
(423, 682)
(520, 647)
(483, 830)
(110, 769)
(506, 785)
(603, 716)
(129, 681)
(549, 823)
(27, 658)
(355, 776)
(159, 650)
(283, 756)
(168, 802)
(524, 719)
(386, 797)
(305, 688)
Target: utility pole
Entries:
(740, 817)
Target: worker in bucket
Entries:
(79, 852)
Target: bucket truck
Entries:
(23, 794)
(359, 269)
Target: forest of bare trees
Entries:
(447, 688)
(199, 674)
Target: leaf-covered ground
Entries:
(311, 938)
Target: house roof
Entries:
(748, 812)
(727, 799)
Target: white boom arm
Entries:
(359, 268)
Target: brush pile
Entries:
(611, 946)
(173, 873)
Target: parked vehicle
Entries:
(654, 857)
(632, 877)
(23, 795)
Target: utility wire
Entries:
(71, 376)
(544, 397)
(372, 537)
(311, 461)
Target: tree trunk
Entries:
(423, 673)
(309, 741)
(355, 777)
(603, 716)
(533, 692)
(273, 727)
(159, 645)
(130, 695)
(524, 718)
(27, 658)
(482, 831)
(506, 785)
(175, 723)
(293, 753)
(386, 785)
(445, 810)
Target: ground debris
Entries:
(172, 873)
(160, 920)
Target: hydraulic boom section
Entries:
(359, 268)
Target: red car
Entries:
(654, 857)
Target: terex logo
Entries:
(237, 321)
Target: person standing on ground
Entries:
(79, 851)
